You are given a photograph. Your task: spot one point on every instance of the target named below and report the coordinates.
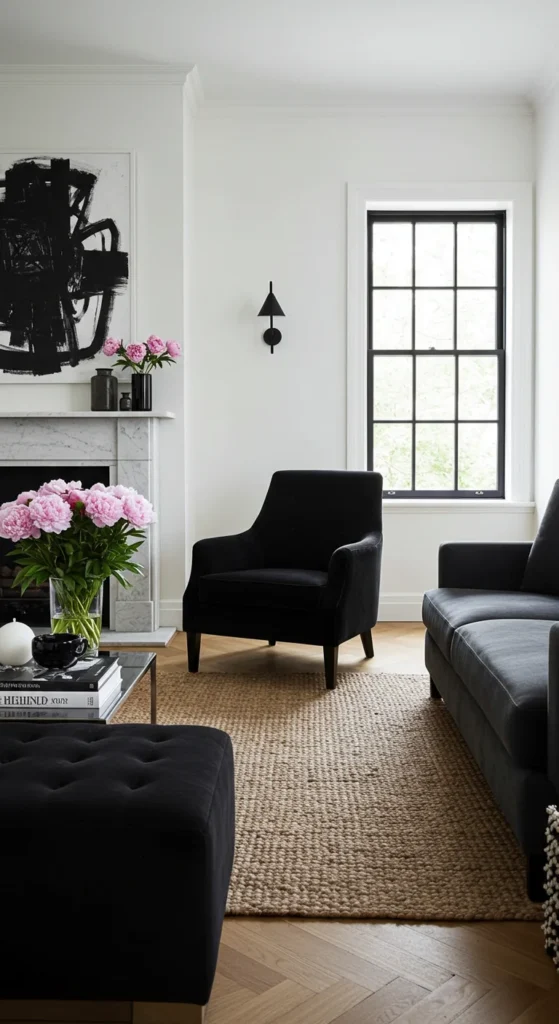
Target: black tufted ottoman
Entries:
(116, 847)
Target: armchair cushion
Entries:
(271, 588)
(504, 666)
(446, 609)
(542, 570)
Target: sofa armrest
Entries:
(553, 708)
(483, 566)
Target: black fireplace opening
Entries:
(33, 607)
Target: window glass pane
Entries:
(434, 254)
(392, 455)
(435, 386)
(392, 383)
(477, 387)
(434, 457)
(392, 254)
(476, 319)
(477, 456)
(392, 319)
(477, 254)
(434, 319)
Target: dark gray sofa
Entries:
(492, 652)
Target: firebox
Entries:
(33, 607)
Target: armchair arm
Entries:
(354, 582)
(224, 554)
(483, 566)
(553, 708)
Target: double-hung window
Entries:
(436, 353)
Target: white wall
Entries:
(148, 119)
(547, 289)
(271, 204)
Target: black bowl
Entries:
(58, 650)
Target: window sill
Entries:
(498, 506)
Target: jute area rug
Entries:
(359, 802)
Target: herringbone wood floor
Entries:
(301, 971)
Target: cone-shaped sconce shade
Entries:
(271, 306)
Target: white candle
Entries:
(15, 644)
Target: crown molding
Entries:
(106, 74)
(193, 91)
(477, 108)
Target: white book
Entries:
(46, 700)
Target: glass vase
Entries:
(78, 611)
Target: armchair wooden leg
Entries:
(193, 648)
(330, 666)
(271, 643)
(535, 878)
(367, 641)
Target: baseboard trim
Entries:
(394, 607)
(400, 607)
(170, 613)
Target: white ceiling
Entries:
(303, 52)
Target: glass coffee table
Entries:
(133, 664)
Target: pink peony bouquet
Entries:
(77, 537)
(145, 356)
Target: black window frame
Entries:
(499, 218)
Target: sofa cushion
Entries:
(503, 663)
(541, 575)
(277, 588)
(445, 609)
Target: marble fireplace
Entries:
(126, 446)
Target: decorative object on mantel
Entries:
(142, 359)
(271, 308)
(76, 538)
(104, 391)
(64, 279)
(551, 905)
(15, 644)
(125, 403)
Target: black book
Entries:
(81, 677)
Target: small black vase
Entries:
(141, 392)
(104, 391)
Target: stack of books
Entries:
(87, 690)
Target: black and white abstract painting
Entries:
(65, 225)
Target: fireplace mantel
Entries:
(126, 443)
(74, 415)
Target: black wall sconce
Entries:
(271, 308)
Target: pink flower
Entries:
(59, 487)
(120, 491)
(138, 510)
(136, 353)
(25, 497)
(103, 508)
(16, 523)
(156, 345)
(99, 487)
(174, 349)
(75, 495)
(49, 512)
(111, 346)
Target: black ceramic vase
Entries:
(141, 392)
(104, 391)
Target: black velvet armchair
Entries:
(307, 571)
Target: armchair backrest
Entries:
(307, 514)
